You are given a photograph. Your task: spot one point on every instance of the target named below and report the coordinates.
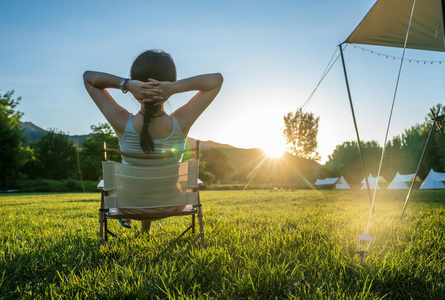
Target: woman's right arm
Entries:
(208, 86)
(97, 83)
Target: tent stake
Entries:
(359, 146)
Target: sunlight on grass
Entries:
(289, 244)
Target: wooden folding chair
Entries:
(152, 189)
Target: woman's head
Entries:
(157, 65)
(154, 64)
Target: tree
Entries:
(12, 154)
(217, 163)
(393, 161)
(436, 146)
(345, 160)
(300, 131)
(90, 157)
(404, 152)
(413, 142)
(206, 177)
(55, 155)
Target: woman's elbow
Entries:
(86, 75)
(219, 78)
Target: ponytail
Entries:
(146, 141)
(160, 66)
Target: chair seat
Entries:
(155, 215)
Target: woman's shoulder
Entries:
(180, 122)
(176, 126)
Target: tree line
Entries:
(53, 156)
(402, 154)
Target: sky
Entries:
(271, 54)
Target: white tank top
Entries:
(130, 143)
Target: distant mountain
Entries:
(34, 133)
(289, 170)
(243, 160)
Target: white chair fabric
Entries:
(136, 187)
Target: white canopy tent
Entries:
(373, 182)
(404, 24)
(434, 180)
(401, 182)
(395, 23)
(326, 183)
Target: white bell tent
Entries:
(373, 182)
(401, 182)
(342, 184)
(434, 180)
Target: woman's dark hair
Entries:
(157, 65)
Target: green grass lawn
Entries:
(259, 245)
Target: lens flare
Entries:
(273, 151)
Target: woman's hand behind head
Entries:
(144, 90)
(157, 92)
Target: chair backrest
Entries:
(130, 186)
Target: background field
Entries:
(260, 245)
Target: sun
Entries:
(274, 146)
(274, 150)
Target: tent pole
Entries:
(360, 152)
(418, 167)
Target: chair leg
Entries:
(193, 223)
(201, 225)
(192, 227)
(101, 232)
(106, 231)
(102, 221)
(109, 232)
(105, 228)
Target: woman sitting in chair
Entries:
(151, 131)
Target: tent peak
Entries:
(386, 24)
